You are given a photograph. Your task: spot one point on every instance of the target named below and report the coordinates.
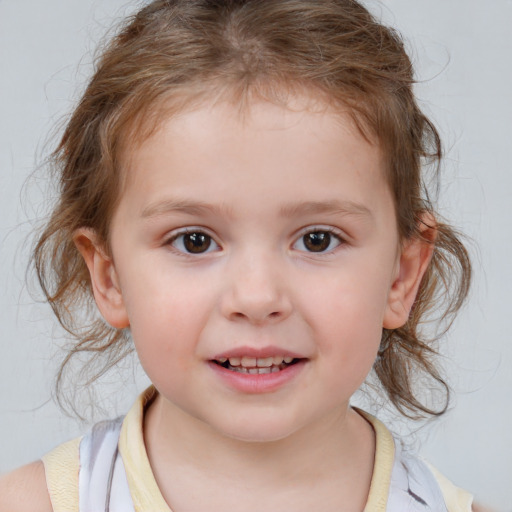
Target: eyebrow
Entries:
(183, 206)
(330, 207)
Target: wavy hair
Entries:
(174, 52)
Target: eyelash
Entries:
(332, 235)
(191, 231)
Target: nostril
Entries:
(273, 314)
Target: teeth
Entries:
(265, 362)
(254, 366)
(255, 371)
(252, 362)
(248, 362)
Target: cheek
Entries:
(350, 339)
(346, 315)
(158, 293)
(350, 301)
(350, 349)
(165, 335)
(167, 312)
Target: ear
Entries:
(414, 260)
(104, 280)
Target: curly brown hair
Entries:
(174, 52)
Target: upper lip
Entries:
(260, 352)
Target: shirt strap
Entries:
(62, 467)
(456, 499)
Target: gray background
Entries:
(462, 53)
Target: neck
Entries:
(335, 454)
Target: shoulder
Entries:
(24, 490)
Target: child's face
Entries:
(266, 237)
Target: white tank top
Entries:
(115, 478)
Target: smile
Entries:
(256, 366)
(255, 371)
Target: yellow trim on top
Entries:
(143, 488)
(147, 496)
(61, 467)
(382, 467)
(456, 499)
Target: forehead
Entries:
(260, 109)
(242, 104)
(261, 157)
(250, 122)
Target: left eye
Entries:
(317, 241)
(194, 242)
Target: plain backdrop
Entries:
(461, 49)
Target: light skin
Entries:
(254, 193)
(271, 234)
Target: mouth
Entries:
(256, 366)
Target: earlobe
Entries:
(104, 280)
(414, 260)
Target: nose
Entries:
(256, 291)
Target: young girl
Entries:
(241, 194)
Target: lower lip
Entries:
(258, 383)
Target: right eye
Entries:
(193, 242)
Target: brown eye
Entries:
(317, 241)
(194, 242)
